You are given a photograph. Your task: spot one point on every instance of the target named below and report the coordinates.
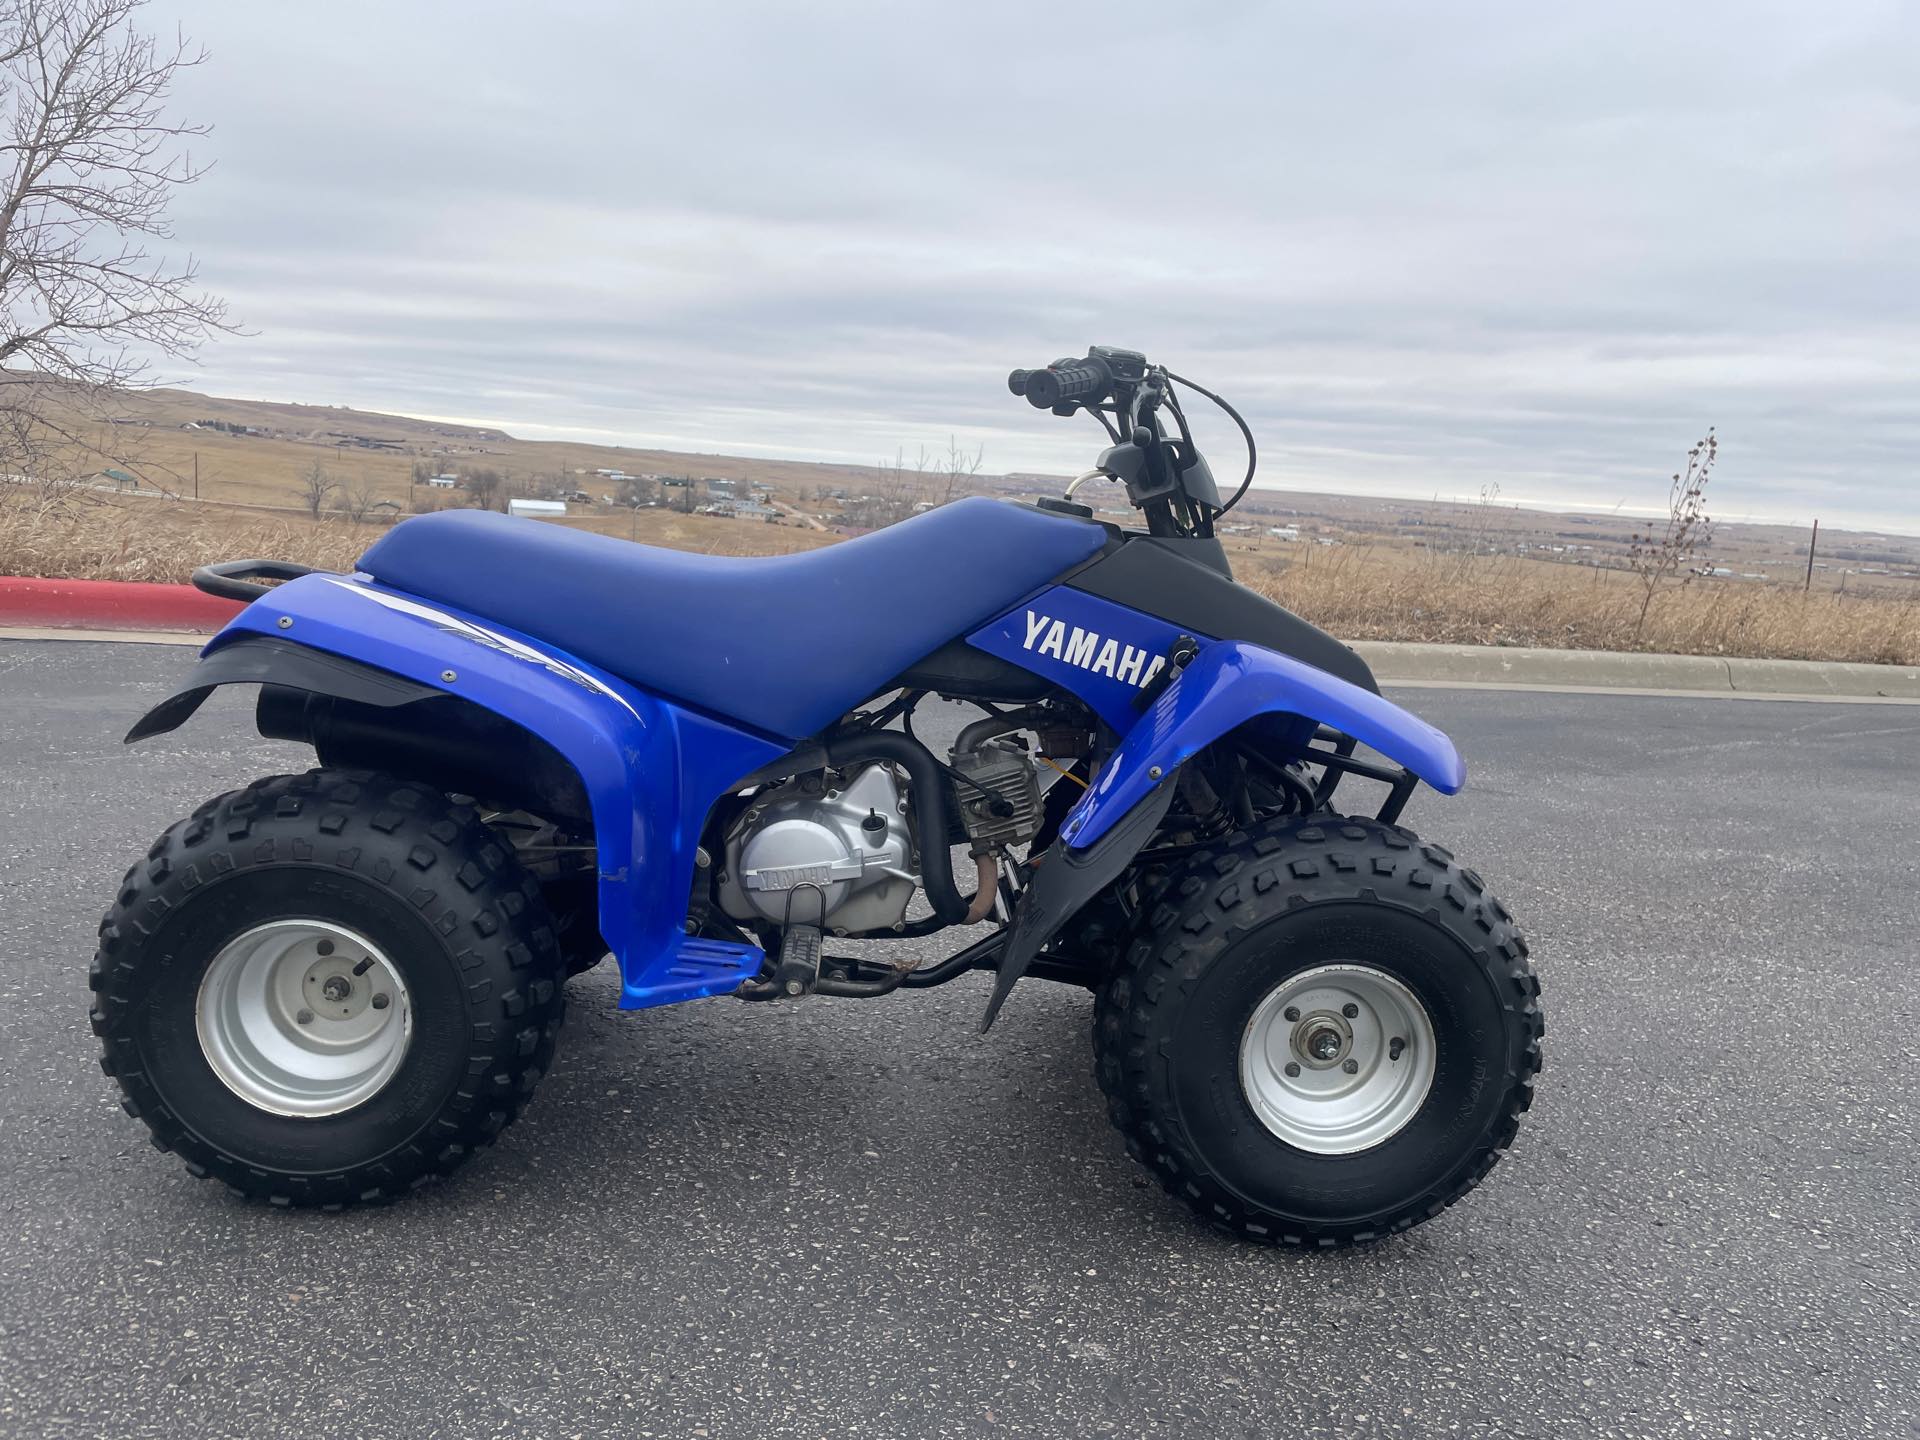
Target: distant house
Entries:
(537, 508)
(443, 482)
(1284, 532)
(122, 480)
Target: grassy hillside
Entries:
(366, 448)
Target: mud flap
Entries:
(1066, 880)
(263, 659)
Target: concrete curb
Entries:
(1393, 661)
(110, 605)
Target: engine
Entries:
(836, 848)
(836, 842)
(998, 791)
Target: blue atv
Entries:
(537, 747)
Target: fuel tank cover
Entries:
(1064, 507)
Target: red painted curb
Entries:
(110, 605)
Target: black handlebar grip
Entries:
(1067, 383)
(1017, 381)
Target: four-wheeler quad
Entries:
(537, 746)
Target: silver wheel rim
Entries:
(300, 1017)
(1351, 1086)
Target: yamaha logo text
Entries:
(1089, 650)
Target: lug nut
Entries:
(1291, 1013)
(1350, 1010)
(1292, 1070)
(1394, 1047)
(305, 1017)
(336, 988)
(325, 947)
(1352, 1067)
(380, 1000)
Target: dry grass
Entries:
(86, 539)
(1388, 594)
(107, 538)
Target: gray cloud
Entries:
(1426, 247)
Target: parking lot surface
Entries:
(846, 1217)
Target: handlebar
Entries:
(1065, 382)
(1165, 476)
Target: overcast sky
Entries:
(1425, 247)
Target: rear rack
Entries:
(229, 581)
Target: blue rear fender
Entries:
(651, 769)
(1229, 684)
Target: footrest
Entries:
(799, 969)
(695, 968)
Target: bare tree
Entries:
(315, 486)
(483, 487)
(92, 160)
(357, 502)
(897, 488)
(956, 469)
(1659, 555)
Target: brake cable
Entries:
(1252, 455)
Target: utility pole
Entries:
(1811, 546)
(196, 474)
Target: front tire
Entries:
(327, 988)
(1324, 1033)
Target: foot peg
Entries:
(799, 969)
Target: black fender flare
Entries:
(269, 660)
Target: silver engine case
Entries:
(847, 835)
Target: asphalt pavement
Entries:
(848, 1217)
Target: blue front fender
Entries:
(651, 769)
(1229, 683)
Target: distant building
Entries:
(1284, 532)
(538, 508)
(443, 482)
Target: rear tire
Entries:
(214, 1058)
(1412, 977)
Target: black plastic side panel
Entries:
(1155, 579)
(1065, 881)
(957, 668)
(264, 659)
(1208, 552)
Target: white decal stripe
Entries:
(491, 639)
